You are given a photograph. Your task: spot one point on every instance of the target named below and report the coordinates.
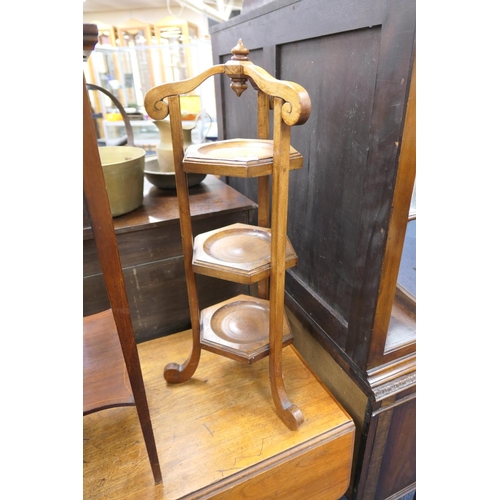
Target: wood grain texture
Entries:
(235, 158)
(263, 188)
(405, 181)
(159, 208)
(218, 442)
(239, 329)
(103, 388)
(401, 441)
(174, 372)
(239, 252)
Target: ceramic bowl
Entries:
(166, 180)
(123, 168)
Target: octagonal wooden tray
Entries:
(235, 158)
(239, 253)
(238, 328)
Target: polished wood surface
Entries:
(160, 206)
(239, 328)
(239, 252)
(105, 378)
(218, 435)
(235, 158)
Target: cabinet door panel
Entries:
(355, 60)
(399, 463)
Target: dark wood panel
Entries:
(398, 467)
(137, 247)
(326, 195)
(355, 60)
(284, 21)
(389, 106)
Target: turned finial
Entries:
(240, 52)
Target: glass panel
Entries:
(407, 278)
(402, 326)
(138, 66)
(173, 54)
(408, 268)
(117, 70)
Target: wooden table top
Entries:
(160, 206)
(218, 434)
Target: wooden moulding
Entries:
(235, 158)
(240, 253)
(238, 328)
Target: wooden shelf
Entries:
(105, 379)
(235, 158)
(239, 253)
(238, 328)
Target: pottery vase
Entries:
(164, 149)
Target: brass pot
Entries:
(166, 180)
(123, 168)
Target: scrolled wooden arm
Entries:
(157, 108)
(297, 104)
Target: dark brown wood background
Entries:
(355, 60)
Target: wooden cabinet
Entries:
(151, 255)
(349, 208)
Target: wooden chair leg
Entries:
(147, 431)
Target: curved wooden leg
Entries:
(289, 413)
(175, 373)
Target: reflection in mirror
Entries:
(402, 326)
